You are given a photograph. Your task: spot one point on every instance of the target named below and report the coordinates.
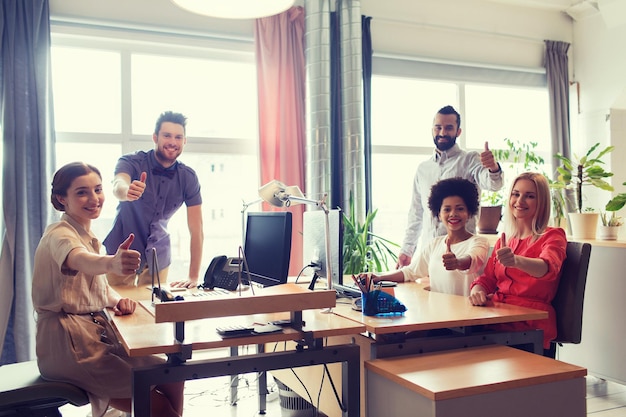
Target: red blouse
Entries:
(513, 286)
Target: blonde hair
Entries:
(542, 215)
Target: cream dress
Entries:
(75, 341)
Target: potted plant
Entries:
(364, 251)
(611, 224)
(585, 171)
(490, 212)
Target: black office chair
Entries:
(24, 393)
(570, 295)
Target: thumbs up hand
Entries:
(125, 261)
(504, 254)
(136, 188)
(450, 261)
(487, 159)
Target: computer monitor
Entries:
(267, 246)
(314, 243)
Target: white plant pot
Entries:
(608, 232)
(584, 225)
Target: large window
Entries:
(403, 108)
(109, 92)
(107, 96)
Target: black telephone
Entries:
(223, 272)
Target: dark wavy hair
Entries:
(454, 187)
(170, 116)
(63, 178)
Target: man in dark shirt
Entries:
(151, 187)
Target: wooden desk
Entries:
(141, 335)
(428, 310)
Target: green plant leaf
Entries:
(363, 250)
(587, 170)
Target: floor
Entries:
(214, 394)
(604, 399)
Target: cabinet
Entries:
(601, 350)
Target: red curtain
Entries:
(279, 44)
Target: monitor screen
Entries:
(267, 246)
(314, 242)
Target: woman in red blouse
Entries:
(525, 265)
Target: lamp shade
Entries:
(278, 194)
(235, 9)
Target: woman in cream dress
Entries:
(75, 342)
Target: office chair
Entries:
(569, 299)
(24, 393)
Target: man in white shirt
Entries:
(448, 161)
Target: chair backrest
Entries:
(570, 295)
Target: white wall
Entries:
(474, 31)
(600, 68)
(478, 31)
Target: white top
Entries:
(429, 264)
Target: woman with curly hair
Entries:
(454, 260)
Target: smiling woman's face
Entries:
(84, 198)
(523, 200)
(453, 213)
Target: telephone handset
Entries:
(223, 272)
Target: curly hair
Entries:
(64, 177)
(454, 187)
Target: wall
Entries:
(475, 31)
(599, 67)
(478, 31)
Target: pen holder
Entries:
(377, 302)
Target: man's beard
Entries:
(444, 146)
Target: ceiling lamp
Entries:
(235, 9)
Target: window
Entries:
(108, 94)
(87, 90)
(403, 107)
(493, 113)
(207, 91)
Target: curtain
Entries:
(557, 71)
(366, 47)
(336, 116)
(279, 47)
(27, 166)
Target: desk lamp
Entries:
(278, 194)
(243, 218)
